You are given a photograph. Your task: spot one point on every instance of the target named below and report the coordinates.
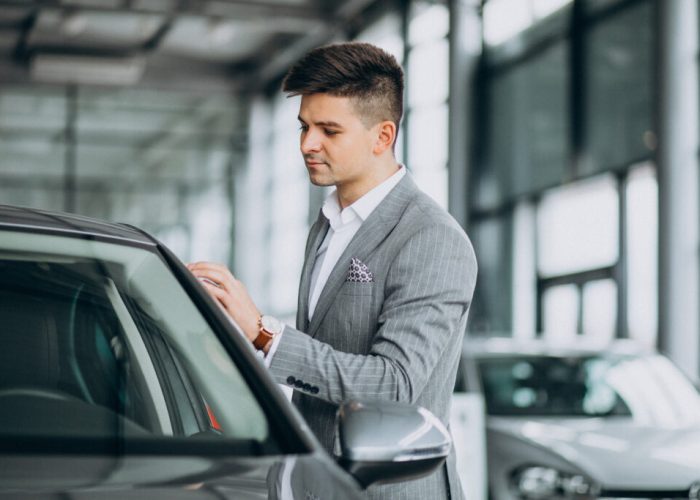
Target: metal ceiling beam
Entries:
(26, 30)
(244, 10)
(152, 44)
(264, 11)
(106, 184)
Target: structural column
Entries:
(70, 174)
(465, 51)
(677, 160)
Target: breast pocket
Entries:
(357, 288)
(352, 320)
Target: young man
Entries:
(388, 275)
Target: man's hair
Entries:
(368, 75)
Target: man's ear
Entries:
(386, 135)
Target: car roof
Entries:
(579, 346)
(30, 219)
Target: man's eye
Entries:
(303, 128)
(330, 132)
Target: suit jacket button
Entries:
(298, 384)
(307, 387)
(291, 380)
(314, 390)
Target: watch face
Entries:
(271, 324)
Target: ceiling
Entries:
(195, 44)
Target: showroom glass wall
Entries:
(564, 192)
(161, 160)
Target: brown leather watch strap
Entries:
(262, 339)
(265, 335)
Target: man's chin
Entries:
(320, 181)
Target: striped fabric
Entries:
(395, 338)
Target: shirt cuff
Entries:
(273, 348)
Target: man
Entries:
(388, 275)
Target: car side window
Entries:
(100, 340)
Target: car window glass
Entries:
(648, 388)
(99, 339)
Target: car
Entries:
(583, 420)
(121, 378)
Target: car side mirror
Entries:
(382, 441)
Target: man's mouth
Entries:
(314, 163)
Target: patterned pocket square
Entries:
(359, 273)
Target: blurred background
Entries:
(562, 134)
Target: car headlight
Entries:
(536, 482)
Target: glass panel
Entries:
(252, 210)
(600, 309)
(594, 6)
(146, 134)
(209, 215)
(33, 158)
(427, 138)
(32, 147)
(619, 103)
(21, 193)
(31, 111)
(287, 179)
(528, 133)
(428, 74)
(385, 33)
(577, 227)
(560, 306)
(492, 306)
(122, 337)
(524, 272)
(543, 8)
(540, 151)
(434, 183)
(429, 21)
(143, 157)
(642, 254)
(159, 160)
(504, 19)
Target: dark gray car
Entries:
(120, 378)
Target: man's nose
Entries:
(310, 142)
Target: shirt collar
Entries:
(363, 207)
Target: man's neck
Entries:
(351, 192)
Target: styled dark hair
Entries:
(370, 76)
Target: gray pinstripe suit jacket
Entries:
(397, 338)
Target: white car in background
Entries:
(582, 422)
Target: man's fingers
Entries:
(222, 280)
(209, 267)
(208, 281)
(217, 293)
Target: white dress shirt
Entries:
(343, 226)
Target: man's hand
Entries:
(230, 293)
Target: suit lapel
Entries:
(316, 234)
(371, 233)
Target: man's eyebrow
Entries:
(323, 123)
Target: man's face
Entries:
(336, 145)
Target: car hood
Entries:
(616, 452)
(183, 478)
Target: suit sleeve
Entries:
(428, 291)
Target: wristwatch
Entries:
(269, 327)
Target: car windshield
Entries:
(649, 388)
(99, 339)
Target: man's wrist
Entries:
(266, 347)
(268, 328)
